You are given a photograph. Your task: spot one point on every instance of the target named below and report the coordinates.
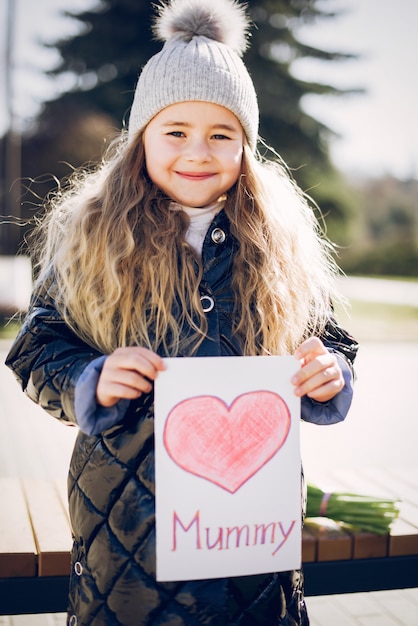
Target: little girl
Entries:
(183, 242)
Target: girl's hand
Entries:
(127, 373)
(320, 376)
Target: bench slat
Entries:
(370, 546)
(50, 526)
(17, 545)
(333, 542)
(403, 540)
(382, 483)
(395, 482)
(61, 489)
(308, 546)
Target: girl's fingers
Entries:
(320, 376)
(309, 349)
(127, 378)
(323, 385)
(323, 364)
(141, 360)
(127, 373)
(326, 392)
(109, 395)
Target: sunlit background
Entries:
(379, 133)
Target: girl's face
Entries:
(193, 152)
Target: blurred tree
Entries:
(114, 42)
(387, 231)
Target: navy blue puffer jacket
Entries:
(111, 481)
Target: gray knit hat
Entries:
(200, 60)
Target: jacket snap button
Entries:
(73, 620)
(218, 235)
(207, 303)
(78, 568)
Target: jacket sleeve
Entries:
(92, 418)
(338, 341)
(47, 359)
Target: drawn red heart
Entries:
(227, 445)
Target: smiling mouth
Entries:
(195, 175)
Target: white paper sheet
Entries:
(228, 470)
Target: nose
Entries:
(198, 150)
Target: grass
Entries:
(8, 329)
(404, 279)
(371, 321)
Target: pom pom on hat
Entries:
(221, 21)
(200, 61)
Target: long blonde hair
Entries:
(114, 258)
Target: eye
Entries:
(176, 133)
(220, 136)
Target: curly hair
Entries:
(123, 273)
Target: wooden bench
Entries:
(339, 560)
(35, 542)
